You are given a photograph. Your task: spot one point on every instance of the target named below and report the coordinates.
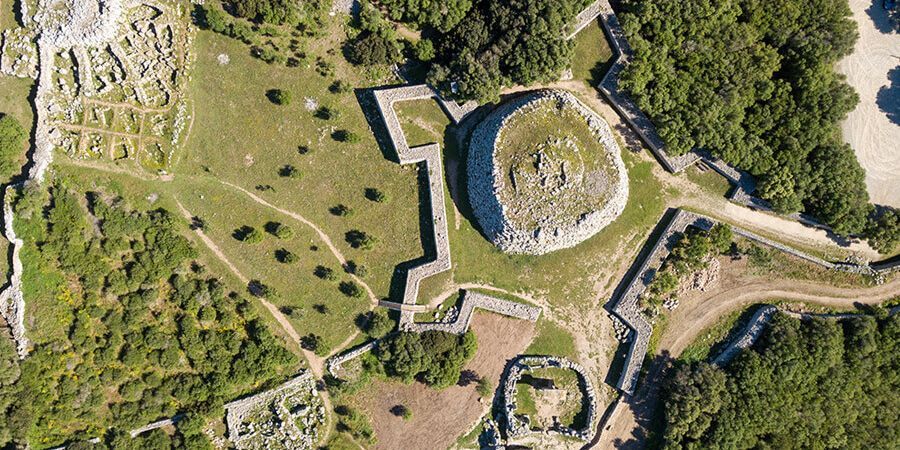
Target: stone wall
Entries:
(485, 182)
(625, 305)
(585, 18)
(472, 300)
(334, 363)
(12, 301)
(517, 367)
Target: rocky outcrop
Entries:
(488, 179)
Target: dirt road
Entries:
(627, 429)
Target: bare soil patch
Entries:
(439, 417)
(873, 128)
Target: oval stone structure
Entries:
(544, 173)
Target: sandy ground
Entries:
(873, 128)
(439, 417)
(700, 310)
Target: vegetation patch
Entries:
(805, 383)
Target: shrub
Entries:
(258, 289)
(376, 195)
(279, 96)
(360, 239)
(314, 343)
(376, 324)
(303, 149)
(279, 230)
(345, 136)
(341, 210)
(12, 144)
(351, 289)
(883, 231)
(289, 171)
(340, 87)
(285, 256)
(423, 50)
(484, 387)
(359, 270)
(248, 234)
(401, 411)
(325, 273)
(327, 113)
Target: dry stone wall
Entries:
(626, 304)
(12, 301)
(487, 179)
(516, 427)
(472, 300)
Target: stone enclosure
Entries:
(544, 173)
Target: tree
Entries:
(12, 144)
(376, 324)
(376, 195)
(351, 289)
(279, 96)
(289, 171)
(285, 256)
(423, 50)
(341, 210)
(377, 42)
(276, 12)
(720, 237)
(325, 273)
(248, 234)
(754, 83)
(883, 230)
(360, 239)
(279, 230)
(345, 136)
(434, 357)
(315, 344)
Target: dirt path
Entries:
(316, 364)
(627, 428)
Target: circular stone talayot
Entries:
(544, 173)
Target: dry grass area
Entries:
(439, 417)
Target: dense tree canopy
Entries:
(127, 331)
(753, 82)
(434, 357)
(442, 15)
(806, 384)
(504, 42)
(277, 12)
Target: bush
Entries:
(423, 50)
(484, 388)
(279, 96)
(248, 235)
(352, 267)
(883, 231)
(258, 289)
(370, 49)
(289, 171)
(360, 239)
(341, 210)
(340, 87)
(325, 273)
(351, 289)
(401, 411)
(345, 136)
(376, 324)
(279, 230)
(285, 256)
(315, 344)
(434, 357)
(12, 144)
(376, 195)
(327, 113)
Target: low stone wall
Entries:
(334, 363)
(584, 18)
(472, 300)
(517, 367)
(485, 181)
(12, 301)
(748, 336)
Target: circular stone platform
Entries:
(544, 173)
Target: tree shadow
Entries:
(885, 21)
(888, 97)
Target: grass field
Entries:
(592, 53)
(249, 149)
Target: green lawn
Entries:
(552, 340)
(592, 53)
